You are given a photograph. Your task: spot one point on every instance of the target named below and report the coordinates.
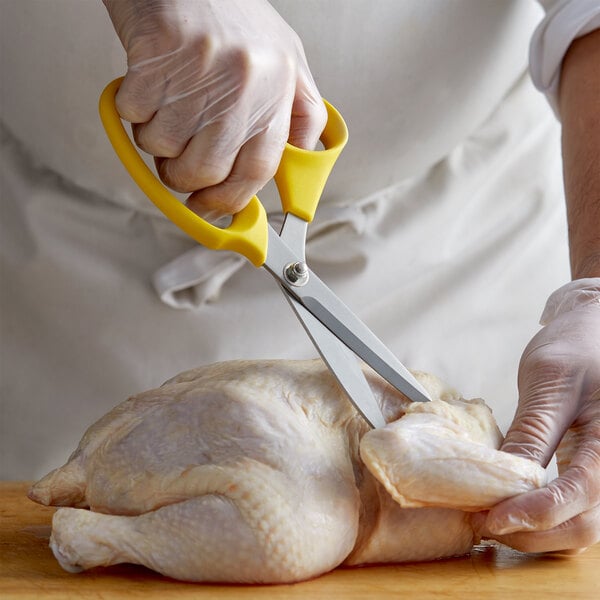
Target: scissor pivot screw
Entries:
(296, 273)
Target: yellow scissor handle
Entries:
(300, 179)
(302, 174)
(247, 233)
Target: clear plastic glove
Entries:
(214, 89)
(559, 389)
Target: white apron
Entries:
(442, 225)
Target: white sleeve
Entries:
(565, 21)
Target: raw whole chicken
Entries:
(262, 471)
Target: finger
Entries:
(579, 532)
(166, 134)
(542, 509)
(307, 123)
(255, 164)
(547, 406)
(169, 94)
(309, 116)
(201, 109)
(206, 161)
(574, 492)
(140, 96)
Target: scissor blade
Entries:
(345, 325)
(342, 363)
(341, 321)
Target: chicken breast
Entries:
(263, 472)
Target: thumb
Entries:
(307, 122)
(535, 433)
(547, 407)
(309, 115)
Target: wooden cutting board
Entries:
(28, 570)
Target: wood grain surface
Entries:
(29, 570)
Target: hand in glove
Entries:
(559, 390)
(214, 90)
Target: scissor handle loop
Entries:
(300, 179)
(302, 174)
(247, 232)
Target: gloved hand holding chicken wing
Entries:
(559, 374)
(559, 387)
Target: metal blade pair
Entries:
(336, 332)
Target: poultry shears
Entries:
(337, 333)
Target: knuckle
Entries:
(530, 436)
(129, 108)
(227, 198)
(567, 488)
(186, 176)
(261, 65)
(258, 171)
(204, 45)
(582, 468)
(589, 535)
(241, 64)
(159, 144)
(135, 101)
(543, 361)
(289, 62)
(583, 530)
(210, 173)
(139, 137)
(171, 176)
(166, 147)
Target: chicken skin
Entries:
(263, 472)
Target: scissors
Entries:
(338, 335)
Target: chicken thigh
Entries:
(263, 471)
